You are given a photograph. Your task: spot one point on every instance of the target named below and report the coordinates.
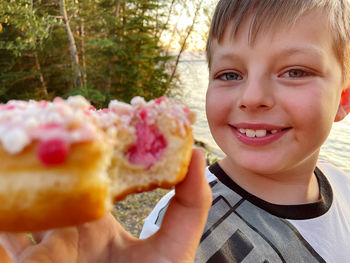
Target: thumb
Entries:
(187, 213)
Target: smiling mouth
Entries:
(259, 133)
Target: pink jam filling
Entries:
(52, 152)
(149, 146)
(143, 114)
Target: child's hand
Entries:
(106, 241)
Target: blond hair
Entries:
(268, 13)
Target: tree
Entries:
(22, 36)
(73, 47)
(102, 49)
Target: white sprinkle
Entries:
(120, 107)
(31, 123)
(137, 101)
(15, 140)
(78, 102)
(54, 117)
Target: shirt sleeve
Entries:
(155, 218)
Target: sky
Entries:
(183, 20)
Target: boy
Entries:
(278, 79)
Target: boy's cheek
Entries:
(215, 106)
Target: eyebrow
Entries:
(304, 50)
(307, 50)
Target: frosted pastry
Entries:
(64, 163)
(154, 145)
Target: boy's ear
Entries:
(344, 107)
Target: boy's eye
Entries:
(229, 76)
(296, 73)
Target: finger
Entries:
(15, 243)
(4, 258)
(89, 242)
(56, 246)
(186, 216)
(98, 230)
(96, 237)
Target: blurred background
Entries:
(117, 49)
(102, 49)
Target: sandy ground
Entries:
(132, 211)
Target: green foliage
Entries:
(23, 28)
(99, 99)
(119, 50)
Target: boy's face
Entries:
(271, 105)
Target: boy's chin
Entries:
(259, 166)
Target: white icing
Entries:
(181, 117)
(74, 120)
(22, 122)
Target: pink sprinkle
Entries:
(10, 107)
(92, 108)
(42, 104)
(105, 110)
(186, 110)
(52, 152)
(58, 100)
(143, 114)
(159, 100)
(50, 126)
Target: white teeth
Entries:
(274, 131)
(255, 133)
(260, 133)
(250, 133)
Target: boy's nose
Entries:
(256, 96)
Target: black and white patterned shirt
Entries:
(244, 228)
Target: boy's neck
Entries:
(299, 186)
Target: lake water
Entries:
(194, 76)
